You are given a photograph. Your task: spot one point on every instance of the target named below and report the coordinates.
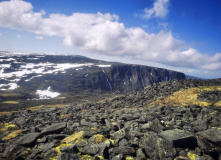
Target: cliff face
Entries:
(130, 78)
(119, 78)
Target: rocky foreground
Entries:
(160, 122)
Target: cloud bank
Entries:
(104, 34)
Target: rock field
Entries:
(140, 126)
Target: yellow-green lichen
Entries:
(99, 138)
(186, 97)
(76, 137)
(12, 135)
(6, 113)
(192, 156)
(28, 150)
(7, 127)
(101, 157)
(129, 158)
(11, 102)
(53, 158)
(86, 157)
(65, 116)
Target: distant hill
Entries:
(52, 75)
(192, 77)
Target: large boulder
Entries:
(179, 138)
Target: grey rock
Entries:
(118, 157)
(213, 134)
(149, 144)
(122, 150)
(28, 139)
(54, 128)
(179, 138)
(90, 149)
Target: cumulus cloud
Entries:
(160, 9)
(104, 34)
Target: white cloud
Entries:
(104, 34)
(39, 37)
(160, 9)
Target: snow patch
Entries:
(103, 65)
(47, 94)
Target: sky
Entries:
(181, 35)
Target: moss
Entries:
(6, 113)
(11, 102)
(101, 157)
(77, 137)
(218, 104)
(46, 106)
(86, 157)
(108, 141)
(213, 112)
(12, 135)
(129, 158)
(65, 116)
(60, 146)
(99, 138)
(28, 150)
(192, 156)
(61, 98)
(7, 127)
(186, 97)
(53, 158)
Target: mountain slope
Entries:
(70, 75)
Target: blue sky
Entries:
(182, 35)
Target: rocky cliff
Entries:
(70, 75)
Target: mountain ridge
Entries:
(28, 74)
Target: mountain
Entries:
(49, 76)
(192, 77)
(178, 119)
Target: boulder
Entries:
(54, 128)
(179, 138)
(213, 135)
(28, 139)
